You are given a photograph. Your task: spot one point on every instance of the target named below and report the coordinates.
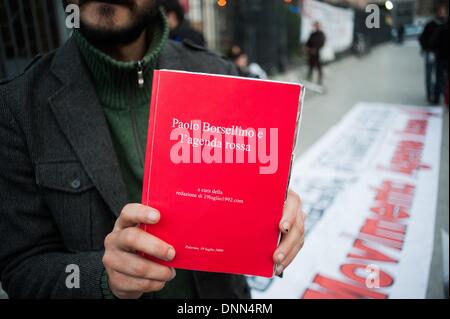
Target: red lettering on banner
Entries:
(416, 127)
(389, 231)
(386, 226)
(393, 200)
(397, 245)
(357, 272)
(335, 289)
(407, 158)
(368, 253)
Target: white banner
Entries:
(337, 24)
(370, 189)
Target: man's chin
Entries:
(116, 22)
(116, 32)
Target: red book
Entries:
(217, 167)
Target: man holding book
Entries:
(74, 129)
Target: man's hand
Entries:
(131, 275)
(293, 232)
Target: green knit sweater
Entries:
(125, 103)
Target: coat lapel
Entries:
(80, 116)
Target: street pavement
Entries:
(389, 74)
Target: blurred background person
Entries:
(314, 44)
(244, 67)
(401, 34)
(180, 28)
(439, 45)
(429, 46)
(429, 57)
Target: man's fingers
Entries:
(134, 214)
(299, 244)
(290, 212)
(290, 257)
(292, 227)
(287, 244)
(135, 239)
(135, 266)
(288, 248)
(128, 284)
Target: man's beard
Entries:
(143, 17)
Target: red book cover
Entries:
(217, 167)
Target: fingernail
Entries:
(280, 269)
(153, 216)
(170, 253)
(286, 226)
(174, 273)
(280, 258)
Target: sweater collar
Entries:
(117, 82)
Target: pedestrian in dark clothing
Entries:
(441, 62)
(429, 57)
(439, 45)
(401, 34)
(314, 44)
(180, 28)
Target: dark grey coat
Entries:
(60, 184)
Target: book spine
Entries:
(296, 133)
(149, 148)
